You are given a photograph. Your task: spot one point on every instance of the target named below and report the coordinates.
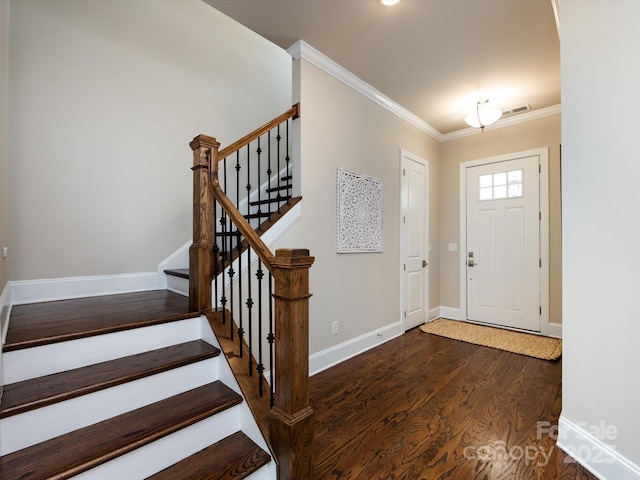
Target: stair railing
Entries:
(216, 252)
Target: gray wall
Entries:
(104, 99)
(342, 128)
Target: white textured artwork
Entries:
(359, 212)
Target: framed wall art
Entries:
(359, 212)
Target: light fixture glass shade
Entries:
(483, 115)
(389, 2)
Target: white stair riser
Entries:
(247, 422)
(268, 472)
(35, 362)
(178, 285)
(162, 453)
(23, 430)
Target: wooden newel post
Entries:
(201, 256)
(291, 417)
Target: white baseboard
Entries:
(334, 355)
(452, 313)
(593, 454)
(555, 330)
(434, 313)
(34, 291)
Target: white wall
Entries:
(600, 43)
(105, 97)
(342, 128)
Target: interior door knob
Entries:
(471, 263)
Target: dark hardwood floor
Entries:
(426, 407)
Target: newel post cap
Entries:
(203, 141)
(292, 258)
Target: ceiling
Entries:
(436, 58)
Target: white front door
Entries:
(415, 235)
(503, 243)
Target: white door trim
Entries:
(403, 296)
(543, 153)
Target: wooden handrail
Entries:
(241, 224)
(235, 146)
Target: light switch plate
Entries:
(453, 247)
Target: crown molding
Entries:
(505, 122)
(301, 49)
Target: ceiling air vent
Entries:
(516, 110)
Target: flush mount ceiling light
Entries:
(483, 115)
(389, 2)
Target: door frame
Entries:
(543, 154)
(403, 208)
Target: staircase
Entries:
(127, 386)
(132, 386)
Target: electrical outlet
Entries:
(334, 328)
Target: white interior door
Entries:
(415, 229)
(503, 243)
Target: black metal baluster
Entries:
(223, 256)
(287, 159)
(259, 152)
(249, 304)
(238, 247)
(260, 367)
(279, 197)
(269, 171)
(240, 309)
(216, 253)
(231, 274)
(223, 296)
(248, 187)
(271, 337)
(238, 168)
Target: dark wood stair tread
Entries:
(178, 272)
(234, 457)
(267, 201)
(50, 322)
(278, 189)
(75, 452)
(258, 215)
(38, 392)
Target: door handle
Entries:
(424, 263)
(471, 263)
